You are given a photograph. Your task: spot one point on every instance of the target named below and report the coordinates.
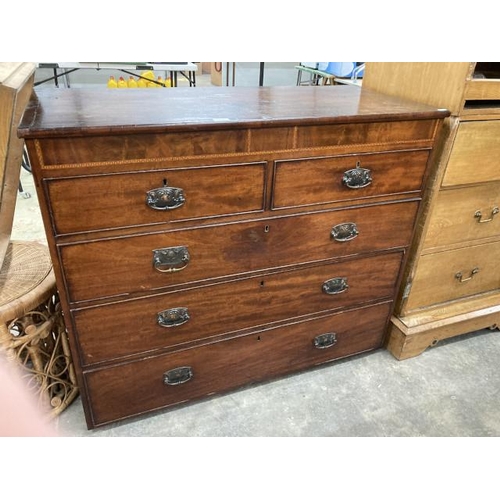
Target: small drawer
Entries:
(120, 200)
(482, 90)
(475, 155)
(455, 274)
(170, 319)
(464, 215)
(121, 266)
(317, 181)
(156, 382)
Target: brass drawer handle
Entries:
(478, 215)
(459, 276)
(170, 260)
(178, 376)
(335, 286)
(176, 316)
(344, 232)
(165, 198)
(357, 178)
(325, 340)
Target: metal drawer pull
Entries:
(344, 232)
(170, 260)
(176, 316)
(177, 376)
(459, 276)
(478, 215)
(357, 178)
(165, 198)
(335, 286)
(325, 340)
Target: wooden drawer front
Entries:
(437, 280)
(138, 387)
(125, 265)
(128, 147)
(389, 132)
(476, 154)
(320, 180)
(123, 148)
(466, 214)
(132, 327)
(483, 89)
(119, 200)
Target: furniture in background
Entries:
(16, 84)
(257, 232)
(452, 282)
(330, 73)
(32, 331)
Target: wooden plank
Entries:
(406, 343)
(420, 321)
(438, 84)
(16, 83)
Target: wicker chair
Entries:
(32, 331)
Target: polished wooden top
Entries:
(75, 112)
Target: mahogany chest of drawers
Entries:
(205, 239)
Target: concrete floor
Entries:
(452, 389)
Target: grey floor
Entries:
(452, 389)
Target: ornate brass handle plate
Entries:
(325, 340)
(178, 376)
(357, 178)
(165, 198)
(335, 286)
(346, 231)
(171, 259)
(176, 316)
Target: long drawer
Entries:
(171, 319)
(476, 153)
(455, 274)
(349, 177)
(156, 382)
(120, 266)
(464, 215)
(90, 203)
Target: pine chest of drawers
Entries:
(451, 284)
(204, 239)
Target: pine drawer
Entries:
(464, 215)
(454, 274)
(475, 156)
